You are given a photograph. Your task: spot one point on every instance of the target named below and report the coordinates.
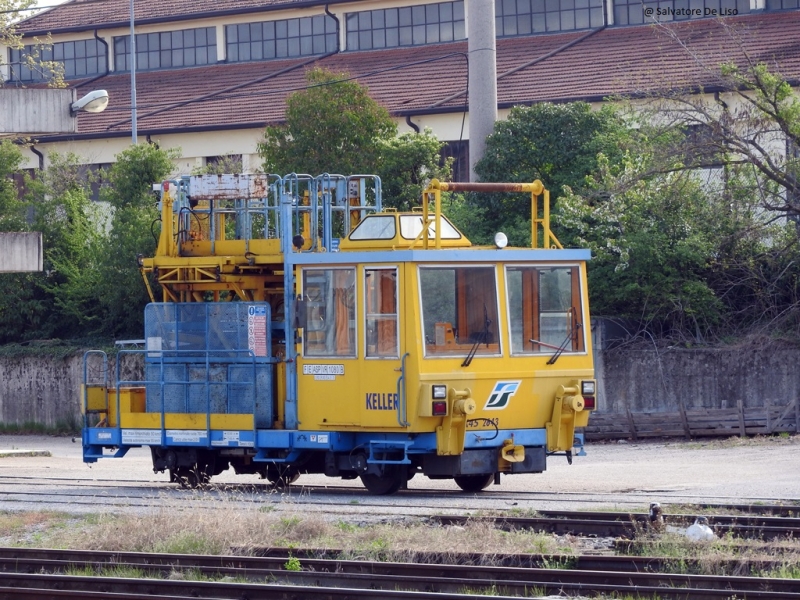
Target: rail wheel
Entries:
(189, 477)
(388, 483)
(474, 483)
(282, 477)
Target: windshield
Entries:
(411, 226)
(459, 310)
(544, 309)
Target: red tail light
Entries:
(588, 403)
(439, 408)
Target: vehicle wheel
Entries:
(198, 477)
(187, 477)
(474, 483)
(383, 485)
(282, 477)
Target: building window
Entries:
(226, 163)
(523, 17)
(266, 40)
(168, 49)
(407, 26)
(782, 4)
(459, 152)
(635, 12)
(81, 58)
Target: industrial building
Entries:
(210, 75)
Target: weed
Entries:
(289, 522)
(786, 571)
(523, 513)
(187, 542)
(566, 562)
(293, 564)
(346, 527)
(491, 590)
(109, 571)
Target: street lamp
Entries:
(93, 102)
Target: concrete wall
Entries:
(40, 390)
(632, 380)
(642, 380)
(47, 390)
(27, 111)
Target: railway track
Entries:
(617, 524)
(41, 573)
(143, 493)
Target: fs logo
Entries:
(501, 394)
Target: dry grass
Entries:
(726, 555)
(216, 525)
(219, 530)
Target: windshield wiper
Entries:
(483, 336)
(570, 336)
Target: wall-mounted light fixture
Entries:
(93, 102)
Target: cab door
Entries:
(381, 405)
(328, 367)
(350, 362)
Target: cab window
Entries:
(544, 309)
(459, 310)
(380, 289)
(411, 227)
(330, 323)
(377, 227)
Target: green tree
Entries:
(134, 231)
(652, 242)
(556, 143)
(331, 127)
(408, 163)
(59, 302)
(12, 216)
(753, 120)
(334, 126)
(686, 257)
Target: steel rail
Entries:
(42, 585)
(281, 555)
(614, 525)
(785, 522)
(442, 579)
(787, 509)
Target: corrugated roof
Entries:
(427, 79)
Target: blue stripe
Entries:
(429, 256)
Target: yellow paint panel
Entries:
(95, 398)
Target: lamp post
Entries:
(133, 80)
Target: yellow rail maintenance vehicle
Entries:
(303, 329)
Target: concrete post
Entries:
(482, 77)
(20, 252)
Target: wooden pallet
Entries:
(741, 421)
